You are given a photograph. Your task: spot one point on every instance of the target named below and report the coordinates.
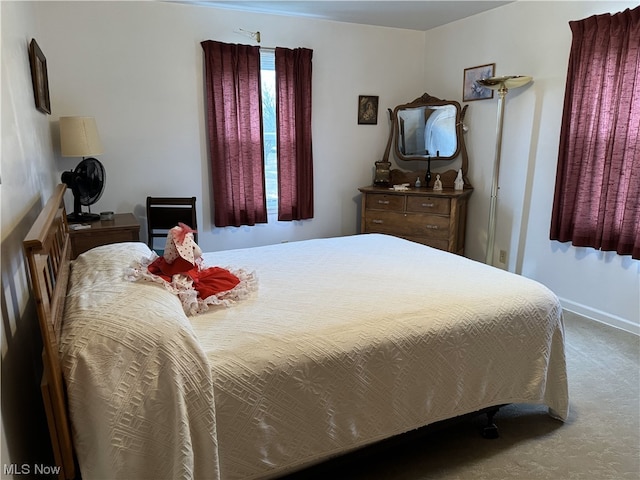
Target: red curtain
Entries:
(597, 192)
(293, 111)
(234, 113)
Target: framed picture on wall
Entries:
(367, 110)
(39, 77)
(470, 89)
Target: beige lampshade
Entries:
(79, 137)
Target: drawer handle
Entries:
(383, 202)
(429, 205)
(379, 222)
(432, 227)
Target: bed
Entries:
(347, 341)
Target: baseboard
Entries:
(600, 316)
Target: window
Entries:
(269, 131)
(242, 152)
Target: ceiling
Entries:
(412, 15)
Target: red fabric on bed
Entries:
(207, 282)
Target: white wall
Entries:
(27, 180)
(529, 38)
(137, 67)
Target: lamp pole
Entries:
(491, 239)
(502, 85)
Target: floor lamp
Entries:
(502, 85)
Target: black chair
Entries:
(164, 213)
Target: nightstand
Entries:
(123, 228)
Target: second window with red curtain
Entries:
(236, 140)
(597, 193)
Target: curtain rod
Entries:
(247, 33)
(255, 36)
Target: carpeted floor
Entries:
(599, 441)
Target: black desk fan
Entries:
(87, 184)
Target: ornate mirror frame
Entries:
(427, 100)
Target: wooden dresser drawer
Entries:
(434, 226)
(381, 201)
(384, 222)
(441, 206)
(412, 224)
(439, 243)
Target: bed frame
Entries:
(48, 252)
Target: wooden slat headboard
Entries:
(48, 252)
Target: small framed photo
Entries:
(39, 77)
(470, 89)
(367, 110)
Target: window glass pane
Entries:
(268, 76)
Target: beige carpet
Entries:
(599, 441)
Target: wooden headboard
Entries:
(48, 253)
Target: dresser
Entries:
(434, 218)
(124, 227)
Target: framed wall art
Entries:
(470, 89)
(367, 110)
(39, 77)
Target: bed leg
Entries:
(490, 430)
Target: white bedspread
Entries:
(347, 341)
(139, 387)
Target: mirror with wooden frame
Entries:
(428, 129)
